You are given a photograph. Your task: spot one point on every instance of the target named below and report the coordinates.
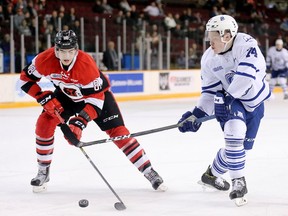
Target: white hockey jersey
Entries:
(277, 59)
(240, 71)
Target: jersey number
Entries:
(252, 51)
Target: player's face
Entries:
(279, 46)
(66, 55)
(216, 42)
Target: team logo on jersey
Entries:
(97, 84)
(229, 76)
(71, 90)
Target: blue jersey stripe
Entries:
(245, 74)
(211, 86)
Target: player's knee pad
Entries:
(235, 129)
(46, 125)
(120, 131)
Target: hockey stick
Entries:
(71, 137)
(118, 205)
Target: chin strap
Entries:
(228, 44)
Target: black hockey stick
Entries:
(71, 137)
(118, 205)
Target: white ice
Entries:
(179, 158)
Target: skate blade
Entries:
(207, 187)
(162, 188)
(40, 189)
(240, 201)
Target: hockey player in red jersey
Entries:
(81, 95)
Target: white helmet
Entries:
(279, 42)
(221, 23)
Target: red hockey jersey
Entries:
(82, 81)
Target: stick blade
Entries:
(119, 206)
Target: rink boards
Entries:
(130, 85)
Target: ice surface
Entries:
(179, 158)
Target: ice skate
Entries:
(39, 183)
(211, 181)
(156, 180)
(238, 192)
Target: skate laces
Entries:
(42, 171)
(220, 181)
(152, 176)
(238, 184)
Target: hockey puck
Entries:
(83, 203)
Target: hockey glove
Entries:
(76, 125)
(190, 124)
(222, 106)
(50, 103)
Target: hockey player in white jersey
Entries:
(233, 72)
(277, 62)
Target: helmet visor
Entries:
(212, 36)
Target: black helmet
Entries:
(66, 39)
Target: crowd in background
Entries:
(160, 17)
